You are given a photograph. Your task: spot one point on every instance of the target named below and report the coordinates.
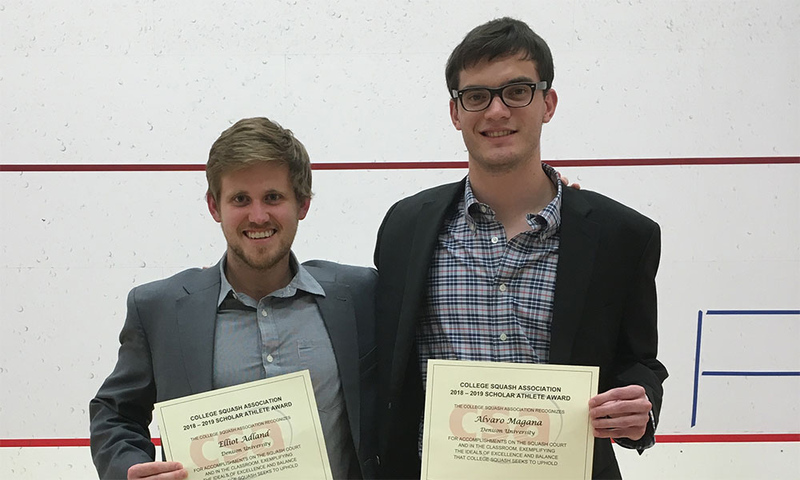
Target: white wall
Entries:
(147, 82)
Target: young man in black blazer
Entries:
(507, 265)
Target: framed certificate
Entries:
(507, 420)
(264, 429)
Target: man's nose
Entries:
(259, 214)
(496, 107)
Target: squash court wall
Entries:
(124, 85)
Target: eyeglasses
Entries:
(513, 95)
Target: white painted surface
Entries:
(773, 461)
(155, 82)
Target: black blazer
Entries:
(604, 310)
(167, 351)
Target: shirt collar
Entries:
(551, 213)
(546, 222)
(302, 281)
(475, 211)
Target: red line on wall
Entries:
(435, 165)
(696, 438)
(44, 442)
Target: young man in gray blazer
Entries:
(256, 314)
(507, 265)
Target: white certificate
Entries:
(264, 429)
(507, 420)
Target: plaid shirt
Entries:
(490, 298)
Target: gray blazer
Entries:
(167, 350)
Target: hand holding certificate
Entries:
(264, 429)
(507, 420)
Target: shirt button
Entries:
(495, 239)
(503, 287)
(269, 358)
(264, 313)
(503, 337)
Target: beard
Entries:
(263, 260)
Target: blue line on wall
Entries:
(753, 312)
(732, 373)
(697, 365)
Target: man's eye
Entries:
(518, 91)
(240, 199)
(273, 197)
(476, 97)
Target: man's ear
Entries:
(213, 208)
(550, 102)
(304, 206)
(454, 114)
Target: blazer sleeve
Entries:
(376, 256)
(121, 412)
(639, 337)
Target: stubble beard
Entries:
(260, 261)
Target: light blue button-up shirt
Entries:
(283, 333)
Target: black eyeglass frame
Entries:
(498, 92)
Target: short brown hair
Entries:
(251, 141)
(499, 38)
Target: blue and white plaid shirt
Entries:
(490, 298)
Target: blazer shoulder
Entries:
(181, 283)
(327, 271)
(606, 210)
(405, 213)
(441, 193)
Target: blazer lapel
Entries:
(430, 218)
(339, 316)
(197, 316)
(577, 249)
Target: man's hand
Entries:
(565, 181)
(620, 412)
(157, 471)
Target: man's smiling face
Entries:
(259, 214)
(500, 138)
